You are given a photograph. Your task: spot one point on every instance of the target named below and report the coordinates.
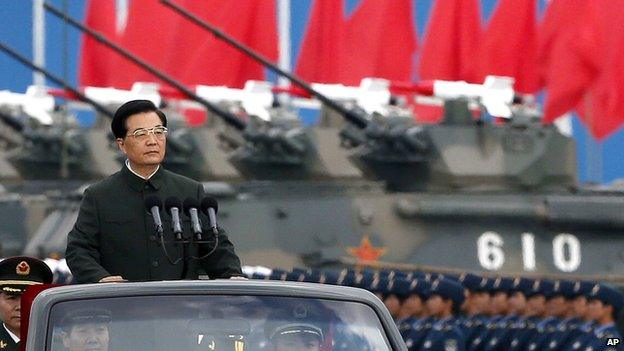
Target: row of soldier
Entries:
(475, 313)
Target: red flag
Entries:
(213, 62)
(583, 70)
(381, 42)
(148, 35)
(606, 97)
(321, 55)
(184, 51)
(450, 49)
(509, 44)
(554, 26)
(96, 67)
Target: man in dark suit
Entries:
(16, 274)
(114, 238)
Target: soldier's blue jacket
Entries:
(444, 336)
(604, 339)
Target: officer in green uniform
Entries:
(16, 274)
(114, 237)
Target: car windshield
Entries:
(214, 322)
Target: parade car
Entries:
(210, 315)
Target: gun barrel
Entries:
(17, 56)
(226, 116)
(351, 116)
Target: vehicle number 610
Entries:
(566, 251)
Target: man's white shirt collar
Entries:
(138, 175)
(13, 336)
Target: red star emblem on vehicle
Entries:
(366, 251)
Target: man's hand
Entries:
(112, 279)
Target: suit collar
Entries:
(139, 184)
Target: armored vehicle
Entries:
(216, 315)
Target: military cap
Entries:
(18, 273)
(330, 277)
(547, 288)
(278, 274)
(378, 285)
(535, 288)
(420, 287)
(363, 280)
(582, 288)
(86, 315)
(448, 289)
(400, 287)
(564, 288)
(608, 296)
(522, 285)
(470, 281)
(294, 276)
(502, 284)
(312, 277)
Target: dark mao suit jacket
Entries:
(114, 234)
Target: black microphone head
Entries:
(152, 201)
(189, 203)
(209, 202)
(172, 202)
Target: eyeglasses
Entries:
(141, 134)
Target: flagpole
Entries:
(38, 41)
(283, 23)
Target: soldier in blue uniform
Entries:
(502, 334)
(582, 335)
(477, 307)
(16, 274)
(416, 326)
(445, 299)
(604, 306)
(547, 325)
(570, 322)
(497, 310)
(535, 310)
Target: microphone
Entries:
(173, 206)
(153, 205)
(210, 207)
(191, 206)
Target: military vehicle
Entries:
(216, 315)
(469, 194)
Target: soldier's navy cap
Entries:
(301, 270)
(346, 277)
(312, 277)
(420, 287)
(582, 288)
(86, 315)
(364, 280)
(564, 288)
(331, 277)
(522, 285)
(448, 289)
(258, 275)
(608, 296)
(378, 285)
(294, 277)
(535, 288)
(470, 281)
(19, 272)
(278, 274)
(547, 288)
(399, 286)
(502, 284)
